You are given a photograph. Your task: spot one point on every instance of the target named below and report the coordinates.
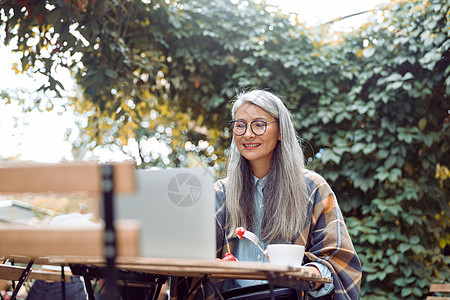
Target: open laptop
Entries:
(175, 208)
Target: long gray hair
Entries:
(285, 194)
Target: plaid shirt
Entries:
(325, 238)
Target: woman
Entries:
(269, 192)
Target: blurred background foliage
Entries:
(371, 105)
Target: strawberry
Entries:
(229, 257)
(240, 232)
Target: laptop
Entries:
(175, 208)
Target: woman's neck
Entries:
(260, 170)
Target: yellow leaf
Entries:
(15, 68)
(422, 123)
(359, 53)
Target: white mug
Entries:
(286, 254)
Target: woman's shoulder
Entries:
(316, 183)
(313, 176)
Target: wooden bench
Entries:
(95, 179)
(38, 241)
(443, 288)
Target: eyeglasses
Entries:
(240, 127)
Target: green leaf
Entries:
(368, 52)
(390, 162)
(369, 268)
(364, 183)
(407, 76)
(372, 277)
(394, 174)
(418, 249)
(372, 239)
(329, 155)
(381, 153)
(428, 140)
(394, 209)
(414, 239)
(403, 247)
(400, 282)
(393, 77)
(358, 147)
(406, 291)
(394, 259)
(389, 269)
(410, 220)
(370, 148)
(394, 85)
(381, 275)
(382, 174)
(417, 292)
(332, 176)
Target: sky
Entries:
(321, 11)
(43, 138)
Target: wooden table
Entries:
(157, 270)
(196, 268)
(160, 269)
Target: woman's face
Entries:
(257, 149)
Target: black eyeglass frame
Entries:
(251, 126)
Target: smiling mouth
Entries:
(251, 145)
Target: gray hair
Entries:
(285, 192)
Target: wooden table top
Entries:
(196, 268)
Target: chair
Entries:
(15, 273)
(437, 289)
(74, 177)
(261, 292)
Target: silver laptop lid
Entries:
(175, 208)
